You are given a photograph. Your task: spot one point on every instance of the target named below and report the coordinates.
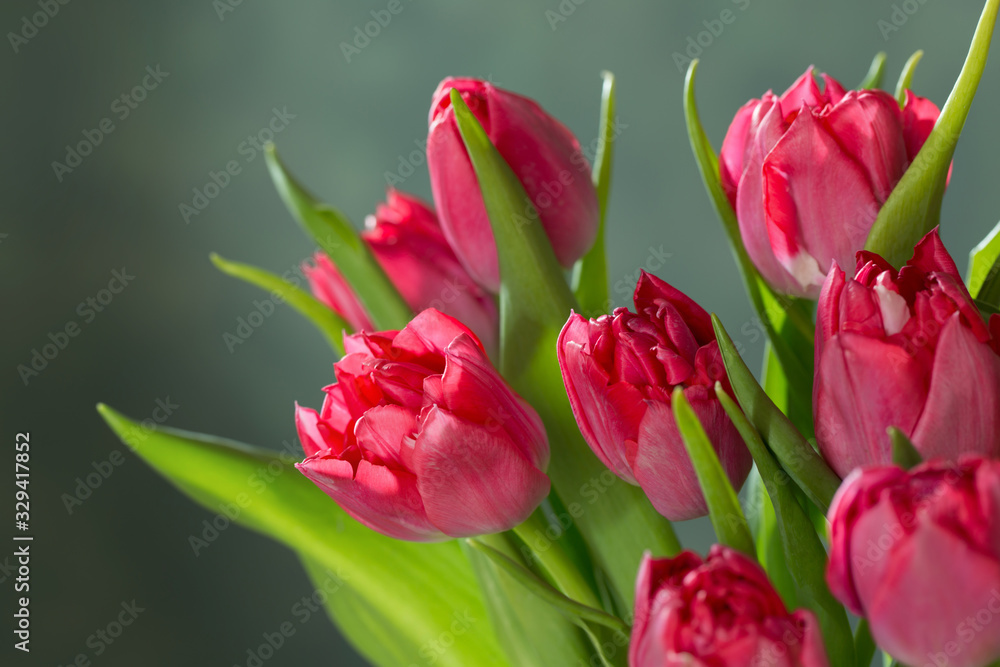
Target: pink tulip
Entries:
(619, 371)
(421, 439)
(907, 349)
(918, 554)
(807, 173)
(545, 157)
(408, 244)
(720, 612)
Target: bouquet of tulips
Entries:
(491, 476)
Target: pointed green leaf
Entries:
(904, 454)
(804, 553)
(797, 456)
(764, 528)
(590, 275)
(874, 77)
(615, 518)
(331, 325)
(914, 207)
(415, 589)
(334, 233)
(984, 269)
(775, 311)
(723, 506)
(906, 77)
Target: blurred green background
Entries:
(227, 66)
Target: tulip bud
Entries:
(918, 554)
(620, 370)
(721, 611)
(908, 349)
(544, 156)
(808, 172)
(421, 439)
(407, 241)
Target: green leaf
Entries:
(764, 527)
(984, 269)
(874, 77)
(331, 325)
(776, 312)
(723, 506)
(543, 590)
(804, 553)
(904, 454)
(906, 77)
(334, 233)
(590, 275)
(914, 207)
(415, 590)
(797, 456)
(532, 632)
(615, 518)
(864, 645)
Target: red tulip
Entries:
(408, 244)
(619, 371)
(544, 155)
(720, 612)
(907, 349)
(918, 554)
(421, 439)
(807, 173)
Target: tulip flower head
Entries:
(620, 370)
(907, 349)
(545, 157)
(421, 439)
(808, 171)
(918, 554)
(721, 611)
(407, 241)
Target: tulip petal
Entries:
(864, 386)
(381, 498)
(427, 335)
(804, 92)
(732, 155)
(962, 410)
(869, 126)
(649, 290)
(919, 116)
(815, 197)
(381, 431)
(473, 480)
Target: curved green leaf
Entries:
(805, 556)
(414, 589)
(906, 77)
(331, 325)
(615, 518)
(874, 77)
(984, 269)
(914, 207)
(334, 233)
(797, 456)
(904, 454)
(723, 506)
(590, 275)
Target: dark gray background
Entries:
(162, 336)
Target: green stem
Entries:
(557, 562)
